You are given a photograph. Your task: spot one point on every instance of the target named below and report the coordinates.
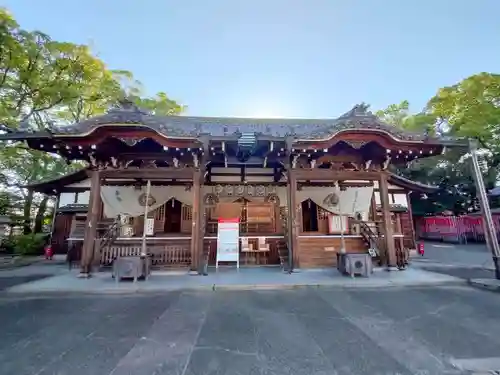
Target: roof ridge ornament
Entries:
(359, 110)
(127, 105)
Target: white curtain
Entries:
(351, 201)
(126, 200)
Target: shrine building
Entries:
(300, 190)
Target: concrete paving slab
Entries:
(479, 365)
(250, 278)
(313, 331)
(487, 284)
(470, 255)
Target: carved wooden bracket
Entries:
(130, 141)
(149, 164)
(272, 198)
(210, 199)
(385, 164)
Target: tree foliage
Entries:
(44, 82)
(470, 108)
(399, 115)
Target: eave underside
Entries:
(133, 175)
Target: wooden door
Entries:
(186, 219)
(159, 216)
(62, 230)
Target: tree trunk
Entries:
(28, 202)
(40, 215)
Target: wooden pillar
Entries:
(195, 229)
(399, 230)
(201, 216)
(412, 224)
(387, 223)
(293, 223)
(202, 220)
(373, 207)
(91, 223)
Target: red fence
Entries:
(457, 229)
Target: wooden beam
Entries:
(390, 246)
(158, 156)
(292, 217)
(93, 215)
(328, 174)
(130, 182)
(149, 174)
(202, 219)
(412, 225)
(195, 227)
(341, 184)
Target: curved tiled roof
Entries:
(359, 118)
(414, 185)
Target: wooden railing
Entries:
(402, 256)
(165, 253)
(245, 228)
(106, 237)
(372, 239)
(111, 233)
(277, 253)
(283, 255)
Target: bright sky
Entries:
(281, 58)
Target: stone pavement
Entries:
(471, 262)
(40, 270)
(470, 255)
(305, 331)
(13, 262)
(245, 278)
(488, 284)
(465, 273)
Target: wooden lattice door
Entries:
(186, 218)
(159, 216)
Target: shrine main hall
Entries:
(260, 192)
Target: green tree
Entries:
(471, 108)
(160, 105)
(5, 203)
(399, 115)
(450, 172)
(44, 83)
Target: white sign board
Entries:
(150, 227)
(228, 241)
(337, 224)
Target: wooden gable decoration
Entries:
(260, 212)
(226, 210)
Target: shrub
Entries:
(7, 246)
(29, 244)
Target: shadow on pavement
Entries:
(7, 282)
(463, 272)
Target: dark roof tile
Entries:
(186, 126)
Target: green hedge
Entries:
(25, 244)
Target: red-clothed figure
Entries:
(421, 248)
(48, 252)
